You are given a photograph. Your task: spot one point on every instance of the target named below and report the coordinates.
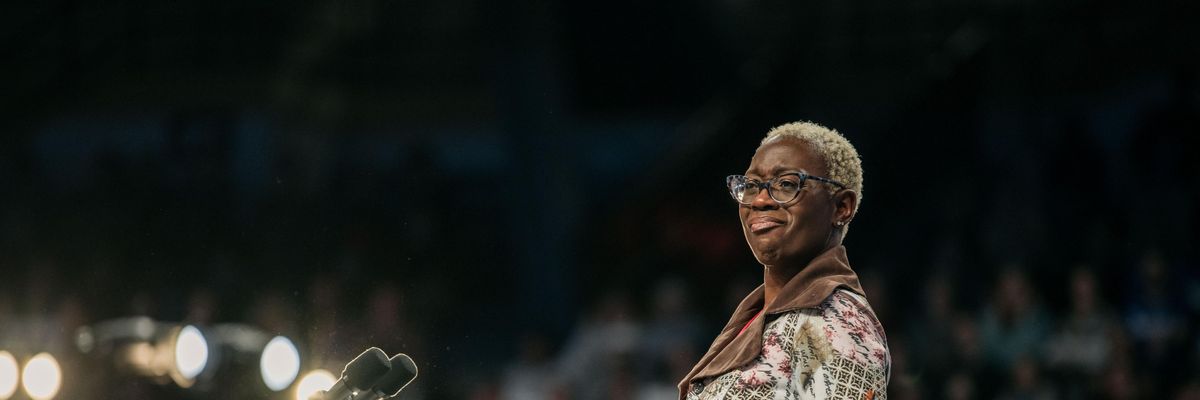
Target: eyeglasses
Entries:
(783, 188)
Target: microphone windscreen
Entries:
(404, 370)
(367, 368)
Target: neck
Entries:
(774, 278)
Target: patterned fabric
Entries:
(835, 351)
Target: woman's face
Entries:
(793, 233)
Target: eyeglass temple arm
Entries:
(827, 180)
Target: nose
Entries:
(763, 201)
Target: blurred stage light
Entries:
(42, 377)
(10, 374)
(313, 382)
(280, 363)
(191, 355)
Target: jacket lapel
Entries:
(811, 286)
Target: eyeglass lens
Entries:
(781, 189)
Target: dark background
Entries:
(501, 188)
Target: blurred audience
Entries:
(1026, 383)
(637, 347)
(593, 361)
(935, 342)
(532, 375)
(1155, 320)
(1013, 324)
(1079, 349)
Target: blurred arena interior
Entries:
(526, 196)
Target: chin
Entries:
(766, 257)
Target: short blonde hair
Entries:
(841, 159)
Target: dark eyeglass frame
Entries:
(769, 186)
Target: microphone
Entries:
(359, 374)
(403, 372)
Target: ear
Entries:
(845, 201)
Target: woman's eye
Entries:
(788, 185)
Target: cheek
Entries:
(742, 215)
(804, 229)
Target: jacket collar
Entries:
(807, 289)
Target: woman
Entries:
(807, 332)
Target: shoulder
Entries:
(851, 328)
(838, 348)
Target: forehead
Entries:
(786, 155)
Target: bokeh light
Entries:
(280, 363)
(191, 352)
(313, 382)
(9, 374)
(42, 377)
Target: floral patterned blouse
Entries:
(835, 349)
(834, 352)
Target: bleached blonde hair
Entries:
(841, 159)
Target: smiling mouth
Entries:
(763, 225)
